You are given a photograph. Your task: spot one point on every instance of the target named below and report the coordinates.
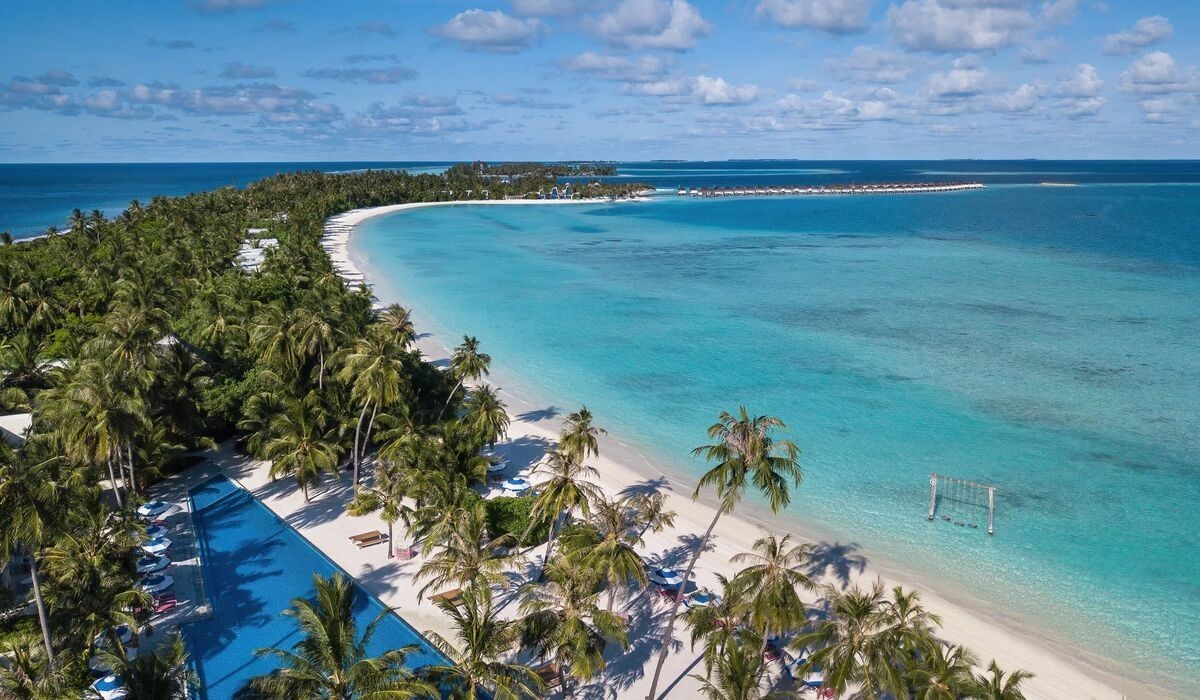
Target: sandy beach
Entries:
(1061, 672)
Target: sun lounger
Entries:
(379, 538)
(549, 675)
(165, 606)
(452, 596)
(366, 536)
(406, 553)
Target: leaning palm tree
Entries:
(997, 685)
(301, 444)
(330, 659)
(468, 555)
(315, 336)
(944, 673)
(31, 505)
(563, 490)
(746, 454)
(485, 415)
(739, 673)
(579, 434)
(482, 637)
(563, 622)
(773, 581)
(373, 370)
(651, 513)
(466, 362)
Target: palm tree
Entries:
(315, 336)
(466, 362)
(485, 415)
(393, 483)
(301, 444)
(738, 674)
(772, 581)
(996, 686)
(944, 673)
(374, 373)
(30, 508)
(160, 674)
(563, 622)
(718, 624)
(482, 637)
(563, 491)
(25, 675)
(397, 322)
(330, 659)
(609, 546)
(868, 639)
(579, 435)
(651, 513)
(746, 454)
(467, 555)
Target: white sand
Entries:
(1060, 671)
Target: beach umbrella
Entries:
(156, 531)
(98, 666)
(158, 545)
(497, 467)
(516, 485)
(666, 577)
(156, 583)
(152, 563)
(110, 687)
(702, 598)
(153, 508)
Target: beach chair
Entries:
(378, 538)
(549, 675)
(165, 606)
(406, 553)
(365, 536)
(452, 596)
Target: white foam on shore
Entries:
(1061, 671)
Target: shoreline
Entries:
(1061, 671)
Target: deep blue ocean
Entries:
(1045, 339)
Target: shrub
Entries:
(510, 516)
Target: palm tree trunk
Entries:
(357, 430)
(448, 398)
(304, 490)
(391, 551)
(132, 474)
(321, 369)
(41, 607)
(670, 631)
(549, 548)
(370, 426)
(112, 478)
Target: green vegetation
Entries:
(137, 341)
(537, 170)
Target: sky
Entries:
(301, 80)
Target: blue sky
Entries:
(170, 80)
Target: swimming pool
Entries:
(253, 564)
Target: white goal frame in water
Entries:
(961, 486)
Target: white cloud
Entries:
(491, 31)
(965, 79)
(1040, 51)
(833, 16)
(1084, 107)
(845, 110)
(958, 25)
(274, 104)
(673, 25)
(547, 8)
(1023, 99)
(1145, 32)
(1058, 12)
(716, 91)
(872, 64)
(1084, 82)
(1156, 74)
(642, 69)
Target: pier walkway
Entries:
(880, 188)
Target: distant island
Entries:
(519, 170)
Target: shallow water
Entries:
(1040, 339)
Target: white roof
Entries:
(15, 426)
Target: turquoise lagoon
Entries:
(1041, 339)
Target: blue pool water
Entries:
(1044, 339)
(253, 565)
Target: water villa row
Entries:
(878, 188)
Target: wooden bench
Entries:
(379, 538)
(452, 596)
(365, 535)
